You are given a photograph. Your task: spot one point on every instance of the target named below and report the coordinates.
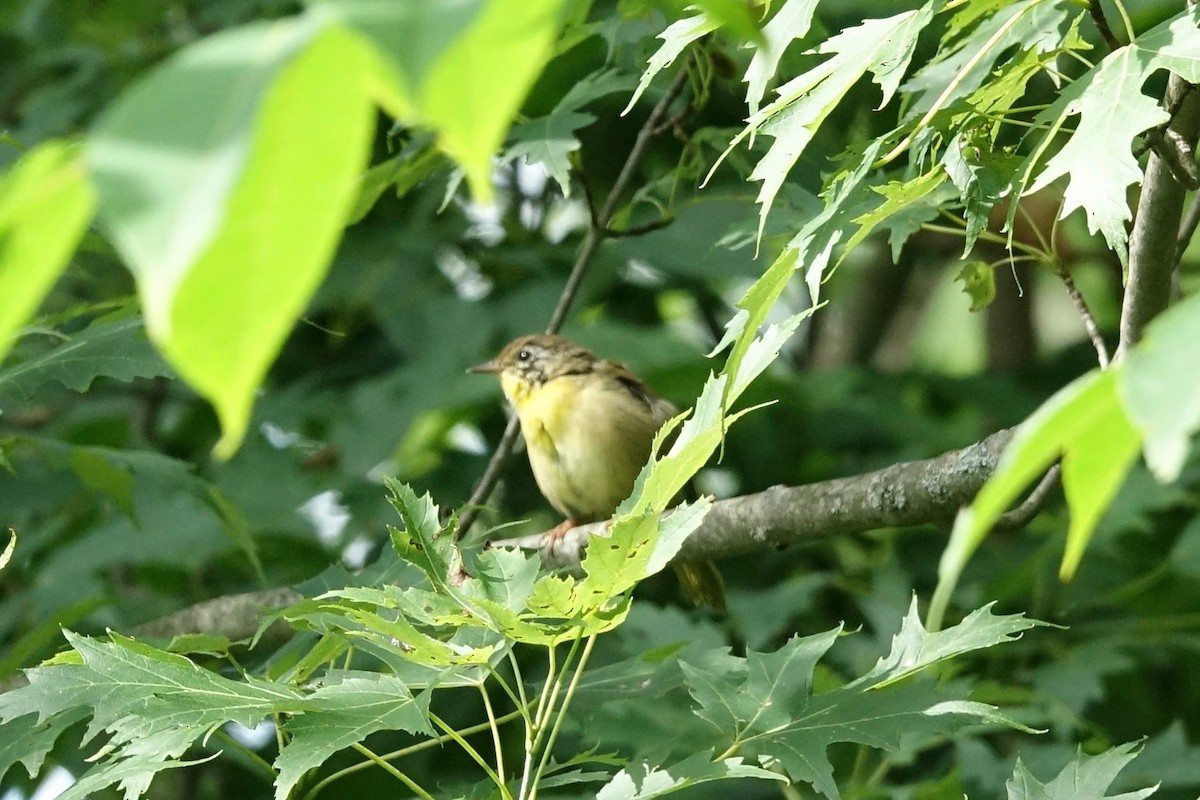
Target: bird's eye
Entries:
(524, 355)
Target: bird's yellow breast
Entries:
(544, 409)
(587, 438)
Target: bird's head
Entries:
(528, 362)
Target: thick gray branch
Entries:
(912, 493)
(1152, 246)
(234, 616)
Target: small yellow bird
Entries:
(588, 425)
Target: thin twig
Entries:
(1153, 138)
(491, 476)
(597, 231)
(1187, 229)
(602, 219)
(1020, 516)
(1102, 25)
(1089, 322)
(639, 230)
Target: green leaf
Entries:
(677, 36)
(101, 475)
(880, 46)
(764, 705)
(642, 781)
(422, 541)
(414, 34)
(46, 204)
(394, 635)
(117, 472)
(979, 283)
(637, 546)
(133, 774)
(155, 704)
(235, 199)
(1160, 388)
(1084, 425)
(790, 22)
(978, 36)
(461, 69)
(339, 714)
(914, 648)
(408, 168)
(27, 740)
(549, 140)
(980, 169)
(111, 347)
(1112, 110)
(1085, 778)
(761, 690)
(898, 196)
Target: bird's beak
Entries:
(492, 366)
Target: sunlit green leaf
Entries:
(1112, 110)
(790, 22)
(1085, 426)
(46, 204)
(676, 38)
(882, 47)
(1160, 387)
(236, 199)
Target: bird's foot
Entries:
(552, 537)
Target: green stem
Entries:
(473, 753)
(516, 668)
(518, 697)
(952, 86)
(395, 773)
(536, 732)
(409, 750)
(988, 236)
(250, 755)
(491, 715)
(562, 712)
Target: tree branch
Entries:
(234, 616)
(906, 494)
(1102, 25)
(1156, 227)
(911, 493)
(1089, 322)
(598, 230)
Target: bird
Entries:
(589, 425)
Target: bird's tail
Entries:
(702, 583)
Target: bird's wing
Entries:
(661, 409)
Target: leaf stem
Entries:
(491, 715)
(249, 754)
(409, 750)
(562, 711)
(944, 97)
(457, 738)
(395, 773)
(986, 236)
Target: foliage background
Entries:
(124, 516)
